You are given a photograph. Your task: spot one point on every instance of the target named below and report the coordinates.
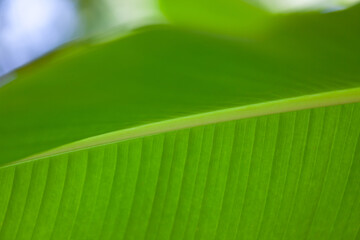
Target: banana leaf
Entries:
(173, 132)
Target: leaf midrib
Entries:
(324, 99)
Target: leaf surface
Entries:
(169, 133)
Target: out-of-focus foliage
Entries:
(47, 24)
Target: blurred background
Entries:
(31, 28)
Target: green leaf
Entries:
(173, 134)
